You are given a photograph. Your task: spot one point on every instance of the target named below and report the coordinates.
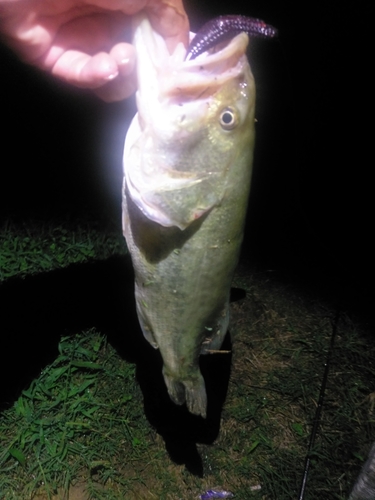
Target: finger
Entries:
(125, 83)
(83, 70)
(169, 18)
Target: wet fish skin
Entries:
(187, 164)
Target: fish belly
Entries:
(182, 287)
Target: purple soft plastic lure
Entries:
(216, 494)
(224, 27)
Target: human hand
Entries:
(82, 41)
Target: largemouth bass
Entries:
(187, 169)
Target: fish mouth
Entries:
(170, 76)
(176, 99)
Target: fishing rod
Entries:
(318, 411)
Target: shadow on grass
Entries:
(38, 310)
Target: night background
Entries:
(310, 216)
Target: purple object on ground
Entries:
(216, 494)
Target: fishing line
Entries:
(318, 411)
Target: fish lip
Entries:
(222, 50)
(210, 70)
(183, 78)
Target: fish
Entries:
(187, 170)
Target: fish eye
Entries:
(228, 119)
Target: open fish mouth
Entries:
(169, 76)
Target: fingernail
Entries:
(112, 76)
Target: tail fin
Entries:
(364, 488)
(192, 392)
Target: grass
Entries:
(35, 247)
(67, 421)
(88, 426)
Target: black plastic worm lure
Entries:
(224, 27)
